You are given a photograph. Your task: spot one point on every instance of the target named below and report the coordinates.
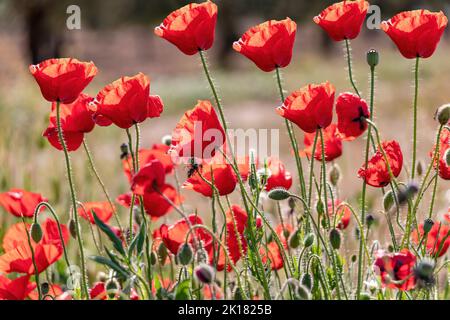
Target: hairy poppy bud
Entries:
(335, 174)
(307, 281)
(373, 58)
(278, 194)
(303, 293)
(162, 253)
(370, 219)
(185, 254)
(419, 168)
(424, 273)
(294, 240)
(204, 273)
(72, 228)
(447, 157)
(443, 114)
(408, 193)
(388, 200)
(167, 140)
(45, 288)
(36, 232)
(320, 207)
(335, 239)
(309, 240)
(427, 225)
(291, 203)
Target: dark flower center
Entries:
(361, 119)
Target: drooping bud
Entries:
(443, 114)
(294, 240)
(424, 273)
(291, 202)
(373, 58)
(278, 194)
(307, 281)
(335, 174)
(73, 228)
(45, 288)
(308, 241)
(123, 151)
(185, 254)
(36, 232)
(303, 293)
(388, 200)
(167, 140)
(427, 225)
(204, 273)
(335, 239)
(320, 207)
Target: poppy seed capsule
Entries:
(443, 114)
(185, 254)
(278, 194)
(36, 232)
(373, 58)
(370, 219)
(335, 239)
(204, 273)
(72, 228)
(427, 225)
(309, 240)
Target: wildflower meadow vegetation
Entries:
(269, 231)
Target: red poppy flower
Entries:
(149, 178)
(396, 267)
(269, 45)
(17, 289)
(76, 120)
(279, 176)
(377, 174)
(444, 145)
(341, 215)
(20, 203)
(18, 257)
(175, 235)
(155, 205)
(416, 33)
(98, 291)
(190, 28)
(54, 290)
(351, 111)
(157, 152)
(63, 79)
(272, 255)
(343, 20)
(208, 294)
(311, 107)
(435, 238)
(332, 142)
(198, 134)
(126, 102)
(103, 211)
(224, 179)
(244, 166)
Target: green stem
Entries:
(311, 168)
(84, 286)
(436, 158)
(349, 66)
(416, 95)
(33, 259)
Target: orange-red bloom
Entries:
(17, 289)
(444, 145)
(76, 120)
(272, 255)
(343, 20)
(416, 33)
(18, 257)
(397, 267)
(103, 211)
(269, 45)
(222, 173)
(98, 291)
(127, 101)
(190, 28)
(198, 134)
(311, 107)
(332, 142)
(437, 240)
(150, 178)
(352, 112)
(63, 79)
(20, 203)
(340, 217)
(377, 173)
(279, 176)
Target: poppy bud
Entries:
(335, 239)
(204, 273)
(427, 225)
(153, 258)
(167, 140)
(294, 240)
(279, 194)
(45, 288)
(335, 174)
(162, 253)
(36, 232)
(388, 200)
(124, 148)
(424, 273)
(291, 203)
(303, 293)
(72, 228)
(320, 207)
(354, 258)
(443, 114)
(307, 281)
(408, 193)
(373, 58)
(309, 240)
(185, 254)
(447, 157)
(370, 219)
(419, 168)
(390, 248)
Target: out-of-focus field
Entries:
(249, 96)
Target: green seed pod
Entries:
(204, 273)
(294, 240)
(335, 174)
(185, 254)
(364, 296)
(335, 239)
(443, 114)
(309, 239)
(45, 288)
(36, 232)
(427, 225)
(278, 194)
(373, 58)
(72, 228)
(162, 253)
(388, 200)
(307, 281)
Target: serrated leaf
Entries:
(111, 264)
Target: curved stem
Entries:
(349, 66)
(416, 95)
(33, 259)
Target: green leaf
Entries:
(182, 290)
(138, 241)
(117, 243)
(111, 264)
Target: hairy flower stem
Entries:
(311, 168)
(416, 95)
(349, 66)
(435, 159)
(100, 182)
(84, 286)
(33, 259)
